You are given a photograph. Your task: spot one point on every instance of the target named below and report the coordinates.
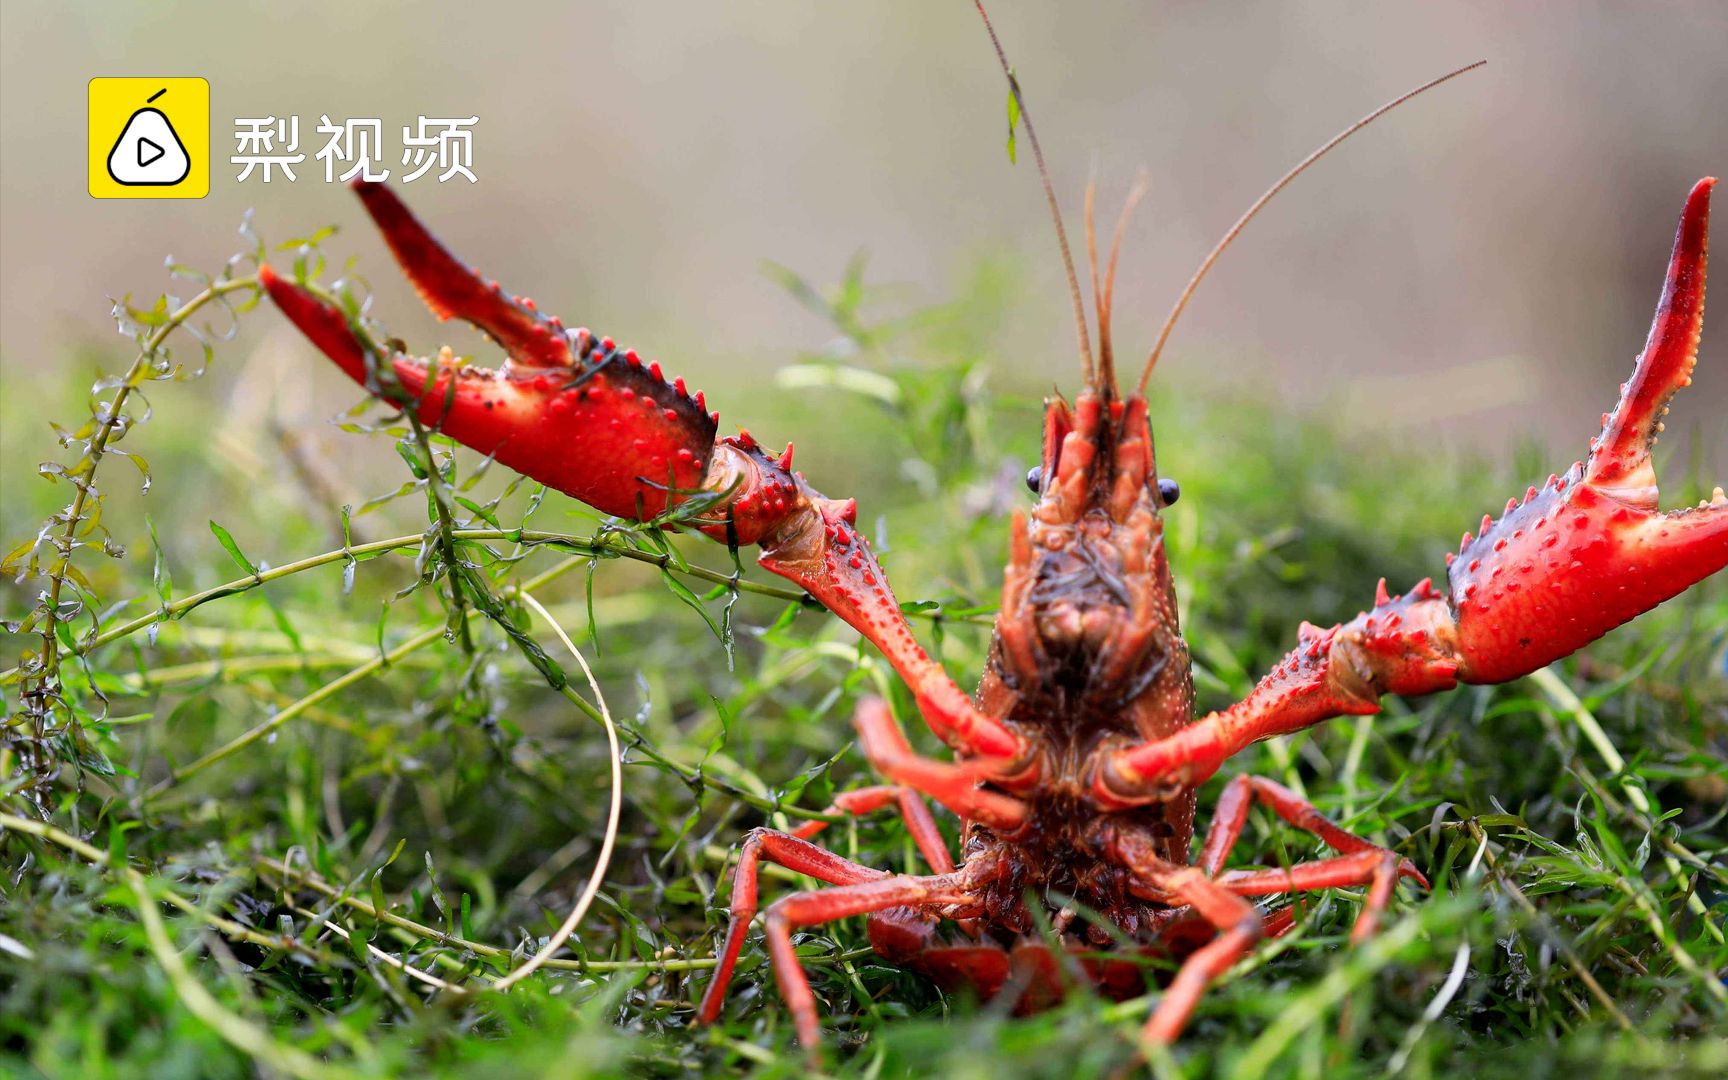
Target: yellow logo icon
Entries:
(149, 138)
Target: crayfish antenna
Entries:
(1106, 368)
(1283, 182)
(1107, 294)
(1049, 197)
(1106, 360)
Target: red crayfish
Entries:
(1076, 762)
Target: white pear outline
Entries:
(185, 157)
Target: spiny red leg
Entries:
(952, 785)
(1376, 868)
(1232, 814)
(913, 810)
(814, 542)
(1279, 922)
(1403, 646)
(1576, 558)
(1239, 927)
(792, 853)
(1229, 817)
(828, 905)
(1364, 862)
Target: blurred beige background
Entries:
(1482, 263)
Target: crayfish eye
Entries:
(1168, 490)
(1035, 478)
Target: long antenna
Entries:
(1107, 298)
(1241, 222)
(1106, 362)
(1049, 195)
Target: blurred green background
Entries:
(1475, 266)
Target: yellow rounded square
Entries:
(149, 138)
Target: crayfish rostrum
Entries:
(1076, 762)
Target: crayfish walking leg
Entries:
(920, 824)
(1362, 862)
(1239, 926)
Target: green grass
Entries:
(230, 828)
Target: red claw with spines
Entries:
(1575, 558)
(560, 410)
(1591, 550)
(596, 422)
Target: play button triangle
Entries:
(149, 151)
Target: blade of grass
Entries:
(614, 809)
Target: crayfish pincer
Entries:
(1076, 762)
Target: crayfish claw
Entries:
(452, 290)
(1619, 463)
(572, 411)
(325, 325)
(1591, 550)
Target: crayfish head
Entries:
(1089, 612)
